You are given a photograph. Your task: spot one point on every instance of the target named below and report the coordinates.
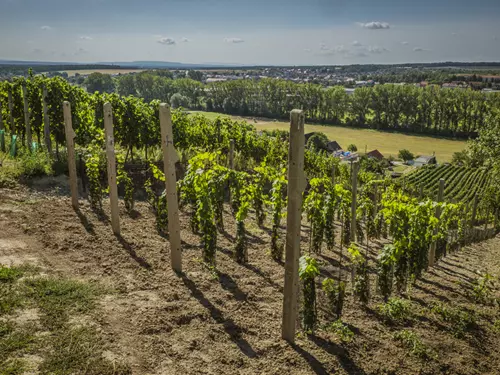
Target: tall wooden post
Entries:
(421, 190)
(27, 117)
(11, 116)
(296, 185)
(169, 157)
(70, 144)
(432, 248)
(1, 118)
(354, 184)
(111, 166)
(46, 122)
(474, 211)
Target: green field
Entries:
(387, 143)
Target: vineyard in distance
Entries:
(140, 239)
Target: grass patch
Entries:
(388, 143)
(57, 298)
(396, 310)
(414, 344)
(79, 351)
(10, 298)
(14, 342)
(460, 321)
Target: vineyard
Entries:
(230, 178)
(462, 184)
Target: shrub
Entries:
(317, 142)
(396, 310)
(342, 330)
(413, 343)
(308, 271)
(406, 155)
(352, 148)
(460, 321)
(335, 293)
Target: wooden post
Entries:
(421, 190)
(231, 154)
(1, 118)
(2, 129)
(46, 122)
(354, 184)
(70, 144)
(111, 166)
(432, 248)
(169, 157)
(296, 185)
(486, 220)
(11, 116)
(27, 117)
(474, 211)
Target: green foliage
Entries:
(396, 310)
(35, 164)
(483, 290)
(94, 161)
(335, 294)
(314, 205)
(360, 269)
(460, 321)
(317, 142)
(342, 330)
(99, 82)
(123, 178)
(308, 271)
(406, 155)
(414, 344)
(352, 148)
(385, 270)
(277, 203)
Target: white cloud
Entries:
(377, 49)
(307, 50)
(185, 40)
(37, 51)
(166, 41)
(420, 49)
(356, 44)
(84, 37)
(404, 43)
(375, 25)
(233, 40)
(46, 28)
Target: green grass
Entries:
(65, 348)
(387, 143)
(414, 344)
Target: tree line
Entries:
(406, 108)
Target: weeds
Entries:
(396, 310)
(496, 325)
(342, 330)
(483, 289)
(460, 321)
(414, 344)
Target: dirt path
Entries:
(197, 323)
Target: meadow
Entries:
(388, 143)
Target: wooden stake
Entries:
(296, 185)
(2, 129)
(46, 122)
(354, 182)
(11, 116)
(1, 118)
(421, 190)
(432, 248)
(169, 157)
(70, 144)
(111, 164)
(27, 117)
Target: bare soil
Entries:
(202, 323)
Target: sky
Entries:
(265, 32)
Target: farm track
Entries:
(163, 323)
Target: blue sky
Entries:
(251, 32)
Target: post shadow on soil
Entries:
(228, 283)
(342, 355)
(452, 272)
(428, 291)
(128, 247)
(89, 227)
(258, 271)
(451, 263)
(316, 365)
(230, 327)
